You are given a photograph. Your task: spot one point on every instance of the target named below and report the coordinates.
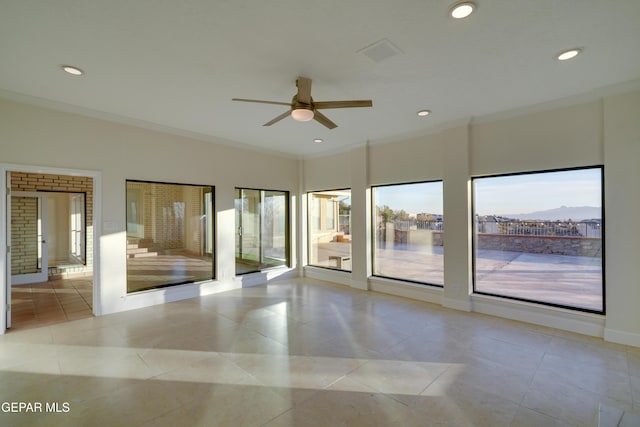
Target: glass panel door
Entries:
(28, 218)
(274, 229)
(248, 253)
(261, 229)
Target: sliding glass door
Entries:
(262, 222)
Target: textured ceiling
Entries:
(175, 65)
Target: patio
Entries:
(573, 281)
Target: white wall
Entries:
(35, 136)
(604, 131)
(552, 139)
(622, 213)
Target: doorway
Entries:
(49, 269)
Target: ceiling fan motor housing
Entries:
(303, 109)
(295, 104)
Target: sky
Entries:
(503, 195)
(424, 197)
(517, 194)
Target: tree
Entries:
(386, 213)
(402, 216)
(344, 208)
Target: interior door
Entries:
(27, 214)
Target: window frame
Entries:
(323, 226)
(287, 248)
(78, 238)
(214, 253)
(374, 230)
(474, 237)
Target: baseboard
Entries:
(622, 337)
(414, 291)
(328, 275)
(553, 317)
(263, 277)
(462, 305)
(363, 286)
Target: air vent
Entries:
(380, 50)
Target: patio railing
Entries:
(547, 237)
(590, 228)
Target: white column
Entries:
(457, 219)
(360, 218)
(622, 224)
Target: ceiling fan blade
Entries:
(304, 90)
(277, 119)
(343, 104)
(319, 117)
(261, 102)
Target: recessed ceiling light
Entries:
(318, 140)
(423, 113)
(70, 69)
(462, 9)
(568, 54)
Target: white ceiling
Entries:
(175, 65)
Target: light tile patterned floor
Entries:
(307, 353)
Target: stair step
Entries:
(137, 250)
(142, 254)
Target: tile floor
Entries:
(55, 301)
(307, 353)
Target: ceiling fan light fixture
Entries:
(462, 9)
(70, 69)
(568, 54)
(302, 114)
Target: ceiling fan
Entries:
(303, 108)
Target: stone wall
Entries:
(573, 246)
(554, 245)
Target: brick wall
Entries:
(170, 215)
(24, 235)
(36, 182)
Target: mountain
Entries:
(575, 213)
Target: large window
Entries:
(408, 237)
(330, 229)
(262, 229)
(539, 237)
(169, 234)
